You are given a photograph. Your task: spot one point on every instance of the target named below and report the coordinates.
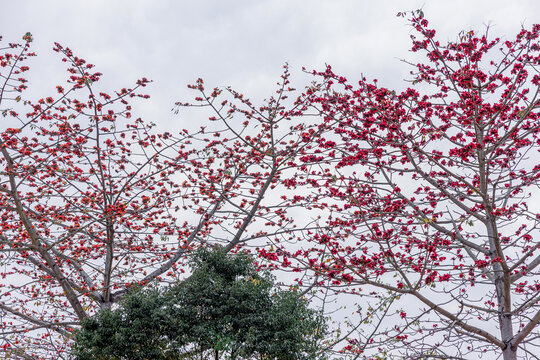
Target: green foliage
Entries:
(226, 309)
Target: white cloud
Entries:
(238, 43)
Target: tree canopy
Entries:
(225, 309)
(419, 206)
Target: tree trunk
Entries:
(510, 353)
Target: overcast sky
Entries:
(238, 43)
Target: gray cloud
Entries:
(239, 43)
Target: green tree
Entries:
(225, 309)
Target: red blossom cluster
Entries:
(424, 195)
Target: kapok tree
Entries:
(94, 202)
(435, 192)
